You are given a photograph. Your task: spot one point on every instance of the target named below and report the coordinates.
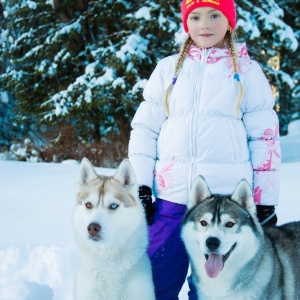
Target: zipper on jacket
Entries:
(193, 121)
(205, 53)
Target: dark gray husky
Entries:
(231, 255)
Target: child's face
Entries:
(207, 27)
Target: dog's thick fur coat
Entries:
(111, 235)
(232, 256)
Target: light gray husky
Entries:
(232, 256)
(111, 235)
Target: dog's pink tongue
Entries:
(213, 265)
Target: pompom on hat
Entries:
(225, 6)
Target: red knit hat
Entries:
(225, 6)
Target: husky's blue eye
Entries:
(113, 206)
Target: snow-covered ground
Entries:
(38, 256)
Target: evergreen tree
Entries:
(271, 36)
(4, 135)
(8, 128)
(289, 63)
(79, 67)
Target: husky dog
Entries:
(111, 235)
(232, 256)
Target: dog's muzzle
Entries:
(215, 262)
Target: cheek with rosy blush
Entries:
(219, 27)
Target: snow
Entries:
(37, 251)
(65, 31)
(4, 97)
(33, 51)
(119, 82)
(135, 45)
(139, 85)
(247, 23)
(31, 4)
(143, 13)
(106, 77)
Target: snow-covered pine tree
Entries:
(80, 66)
(4, 135)
(289, 64)
(17, 81)
(269, 32)
(4, 132)
(9, 130)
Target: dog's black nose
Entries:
(213, 243)
(94, 229)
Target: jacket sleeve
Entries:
(146, 125)
(261, 123)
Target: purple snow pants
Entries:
(167, 252)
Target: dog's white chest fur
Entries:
(114, 279)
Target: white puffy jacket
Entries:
(203, 134)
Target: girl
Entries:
(207, 111)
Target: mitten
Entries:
(145, 195)
(266, 215)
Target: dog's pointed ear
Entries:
(200, 192)
(126, 176)
(86, 173)
(243, 196)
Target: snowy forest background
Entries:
(72, 72)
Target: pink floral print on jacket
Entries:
(165, 179)
(269, 162)
(216, 54)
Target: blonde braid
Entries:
(182, 56)
(230, 44)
